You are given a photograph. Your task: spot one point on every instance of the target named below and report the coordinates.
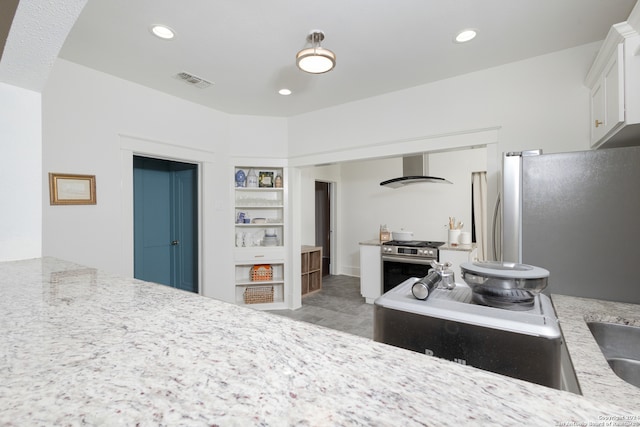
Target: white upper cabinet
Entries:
(614, 80)
(607, 99)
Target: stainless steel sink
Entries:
(620, 345)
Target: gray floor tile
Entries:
(338, 305)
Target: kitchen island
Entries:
(81, 346)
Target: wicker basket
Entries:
(261, 273)
(258, 294)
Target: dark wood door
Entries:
(323, 223)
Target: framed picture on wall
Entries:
(265, 179)
(71, 189)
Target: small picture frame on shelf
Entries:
(265, 179)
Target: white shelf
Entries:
(259, 188)
(280, 305)
(259, 255)
(241, 206)
(260, 283)
(268, 225)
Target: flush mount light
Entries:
(284, 91)
(163, 32)
(316, 59)
(466, 36)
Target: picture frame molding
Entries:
(64, 193)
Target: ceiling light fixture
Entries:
(284, 91)
(163, 32)
(466, 36)
(316, 59)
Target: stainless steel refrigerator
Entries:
(576, 214)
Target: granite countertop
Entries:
(80, 346)
(597, 380)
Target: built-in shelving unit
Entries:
(311, 269)
(259, 223)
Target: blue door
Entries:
(165, 222)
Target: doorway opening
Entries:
(165, 211)
(323, 224)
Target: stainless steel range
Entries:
(524, 344)
(404, 259)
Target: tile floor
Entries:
(338, 305)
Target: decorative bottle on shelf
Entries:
(241, 178)
(252, 179)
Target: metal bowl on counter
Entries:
(504, 276)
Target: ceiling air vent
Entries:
(193, 80)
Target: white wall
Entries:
(20, 173)
(363, 205)
(255, 136)
(94, 122)
(536, 103)
(539, 102)
(423, 209)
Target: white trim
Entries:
(131, 146)
(616, 35)
(163, 149)
(333, 259)
(634, 17)
(422, 144)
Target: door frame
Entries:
(333, 192)
(170, 170)
(333, 201)
(131, 146)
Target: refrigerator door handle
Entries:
(496, 231)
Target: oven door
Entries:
(397, 269)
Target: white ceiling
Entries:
(247, 47)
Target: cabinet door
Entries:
(607, 99)
(370, 272)
(597, 112)
(614, 90)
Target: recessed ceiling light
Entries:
(466, 35)
(163, 32)
(284, 92)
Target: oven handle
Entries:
(407, 260)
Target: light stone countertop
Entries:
(446, 246)
(597, 380)
(80, 346)
(463, 248)
(372, 242)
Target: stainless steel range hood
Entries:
(415, 170)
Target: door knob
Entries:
(175, 242)
(598, 123)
